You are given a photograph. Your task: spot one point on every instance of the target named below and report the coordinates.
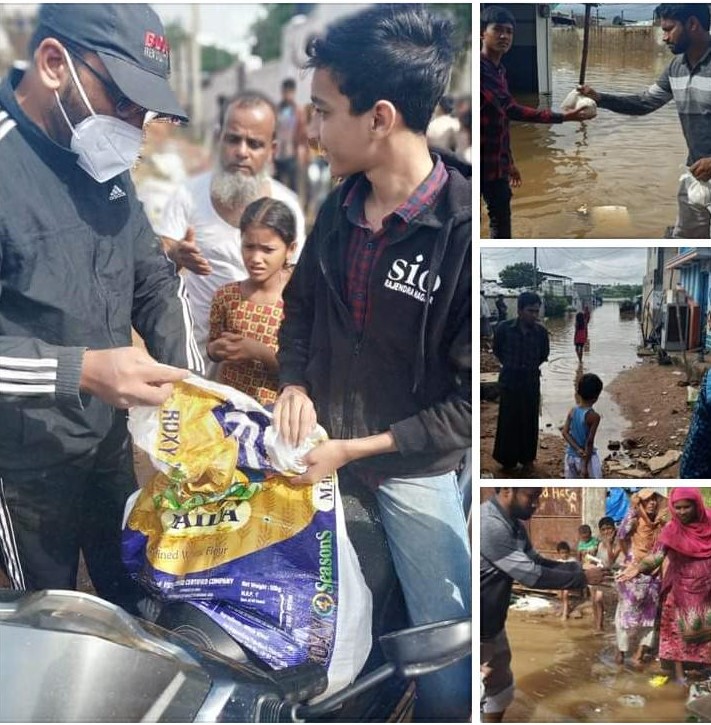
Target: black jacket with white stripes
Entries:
(79, 265)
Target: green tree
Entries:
(619, 291)
(176, 34)
(267, 30)
(214, 59)
(556, 306)
(461, 14)
(516, 275)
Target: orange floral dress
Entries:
(230, 312)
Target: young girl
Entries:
(581, 334)
(245, 316)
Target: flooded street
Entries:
(612, 160)
(565, 673)
(612, 345)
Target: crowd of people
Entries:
(363, 324)
(652, 569)
(685, 28)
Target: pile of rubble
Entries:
(637, 458)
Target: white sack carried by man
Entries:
(221, 526)
(698, 192)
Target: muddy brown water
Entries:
(612, 346)
(612, 160)
(566, 673)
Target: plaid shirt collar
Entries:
(421, 197)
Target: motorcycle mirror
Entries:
(420, 650)
(410, 653)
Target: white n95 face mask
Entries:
(106, 146)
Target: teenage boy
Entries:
(376, 337)
(498, 106)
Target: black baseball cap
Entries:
(131, 42)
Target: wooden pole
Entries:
(586, 41)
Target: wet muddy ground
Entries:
(566, 673)
(612, 347)
(642, 401)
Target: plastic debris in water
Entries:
(632, 701)
(530, 603)
(699, 689)
(659, 680)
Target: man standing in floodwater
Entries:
(687, 80)
(507, 556)
(522, 346)
(498, 106)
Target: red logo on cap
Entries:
(156, 47)
(159, 42)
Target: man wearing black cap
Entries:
(79, 265)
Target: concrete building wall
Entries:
(656, 280)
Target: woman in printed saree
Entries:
(685, 544)
(638, 598)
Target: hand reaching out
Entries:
(323, 460)
(294, 415)
(586, 90)
(186, 253)
(127, 376)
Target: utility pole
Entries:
(535, 269)
(196, 73)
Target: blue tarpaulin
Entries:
(617, 502)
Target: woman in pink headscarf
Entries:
(685, 543)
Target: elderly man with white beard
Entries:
(200, 223)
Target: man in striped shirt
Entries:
(498, 106)
(687, 80)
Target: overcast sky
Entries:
(632, 11)
(602, 265)
(224, 25)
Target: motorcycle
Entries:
(71, 657)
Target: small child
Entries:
(609, 549)
(587, 543)
(581, 459)
(564, 554)
(608, 552)
(581, 334)
(245, 316)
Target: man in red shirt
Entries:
(498, 106)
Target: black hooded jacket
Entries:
(79, 266)
(410, 370)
